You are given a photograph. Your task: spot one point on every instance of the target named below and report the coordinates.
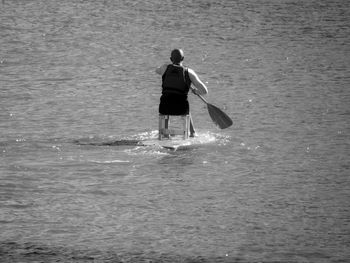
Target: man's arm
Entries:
(161, 70)
(201, 89)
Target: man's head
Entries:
(177, 56)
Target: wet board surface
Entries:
(170, 144)
(167, 144)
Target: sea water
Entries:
(274, 187)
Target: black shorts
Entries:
(173, 104)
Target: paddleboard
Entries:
(172, 144)
(169, 144)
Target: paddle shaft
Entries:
(200, 96)
(203, 99)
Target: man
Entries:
(176, 83)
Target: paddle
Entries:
(218, 116)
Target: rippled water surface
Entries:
(76, 76)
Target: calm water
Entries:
(274, 187)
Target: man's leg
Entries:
(192, 130)
(166, 124)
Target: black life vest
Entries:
(176, 80)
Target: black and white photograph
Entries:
(175, 131)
